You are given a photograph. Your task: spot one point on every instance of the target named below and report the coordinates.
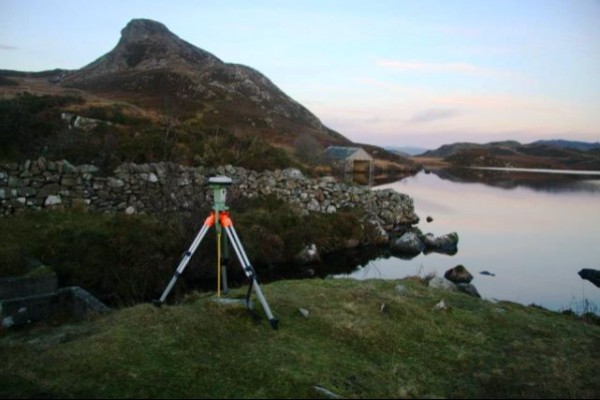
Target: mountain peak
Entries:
(139, 31)
(145, 45)
(140, 27)
(150, 63)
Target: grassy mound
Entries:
(360, 339)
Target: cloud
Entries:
(433, 114)
(429, 67)
(7, 47)
(458, 68)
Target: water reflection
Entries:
(534, 232)
(507, 179)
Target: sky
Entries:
(391, 73)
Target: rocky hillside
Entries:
(156, 97)
(151, 65)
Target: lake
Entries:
(534, 231)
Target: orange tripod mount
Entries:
(220, 218)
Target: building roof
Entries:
(340, 152)
(347, 153)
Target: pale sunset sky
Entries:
(392, 73)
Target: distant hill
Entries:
(454, 148)
(570, 144)
(541, 154)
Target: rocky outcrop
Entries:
(83, 123)
(162, 187)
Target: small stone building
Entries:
(350, 159)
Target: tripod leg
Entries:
(239, 250)
(225, 264)
(185, 259)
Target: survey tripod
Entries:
(220, 218)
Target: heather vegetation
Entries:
(31, 126)
(124, 259)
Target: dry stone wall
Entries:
(160, 187)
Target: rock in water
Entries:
(458, 274)
(592, 275)
(408, 244)
(447, 244)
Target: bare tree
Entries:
(308, 149)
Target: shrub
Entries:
(26, 120)
(120, 259)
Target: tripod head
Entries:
(219, 186)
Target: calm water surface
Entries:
(533, 231)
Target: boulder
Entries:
(308, 255)
(441, 283)
(458, 274)
(592, 275)
(407, 244)
(441, 305)
(469, 289)
(446, 244)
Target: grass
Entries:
(346, 345)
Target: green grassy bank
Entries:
(360, 339)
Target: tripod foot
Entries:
(274, 323)
(157, 303)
